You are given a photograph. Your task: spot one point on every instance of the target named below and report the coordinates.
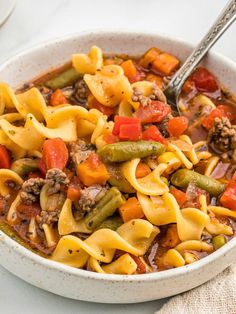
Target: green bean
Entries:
(112, 223)
(124, 151)
(105, 208)
(118, 180)
(218, 241)
(63, 79)
(183, 177)
(24, 166)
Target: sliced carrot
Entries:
(92, 171)
(131, 209)
(149, 57)
(165, 63)
(73, 193)
(58, 98)
(142, 170)
(130, 70)
(179, 195)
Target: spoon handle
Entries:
(225, 19)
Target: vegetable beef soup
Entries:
(98, 172)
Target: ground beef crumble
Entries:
(31, 190)
(55, 178)
(79, 151)
(81, 92)
(156, 94)
(223, 134)
(88, 198)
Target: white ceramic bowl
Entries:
(84, 285)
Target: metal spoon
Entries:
(225, 19)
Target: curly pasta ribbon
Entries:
(214, 226)
(151, 184)
(50, 235)
(133, 237)
(211, 164)
(11, 117)
(222, 211)
(12, 213)
(89, 63)
(194, 245)
(5, 176)
(191, 154)
(17, 151)
(124, 265)
(65, 129)
(30, 101)
(164, 209)
(171, 160)
(173, 258)
(7, 97)
(125, 109)
(19, 134)
(109, 85)
(32, 231)
(67, 223)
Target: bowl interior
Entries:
(40, 59)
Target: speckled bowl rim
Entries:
(155, 276)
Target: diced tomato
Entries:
(5, 159)
(110, 138)
(29, 211)
(130, 132)
(228, 199)
(155, 112)
(42, 167)
(219, 112)
(55, 153)
(94, 161)
(104, 109)
(179, 195)
(188, 86)
(177, 126)
(204, 80)
(58, 98)
(141, 268)
(153, 134)
(121, 121)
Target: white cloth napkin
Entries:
(218, 296)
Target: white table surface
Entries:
(35, 21)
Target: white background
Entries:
(35, 21)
